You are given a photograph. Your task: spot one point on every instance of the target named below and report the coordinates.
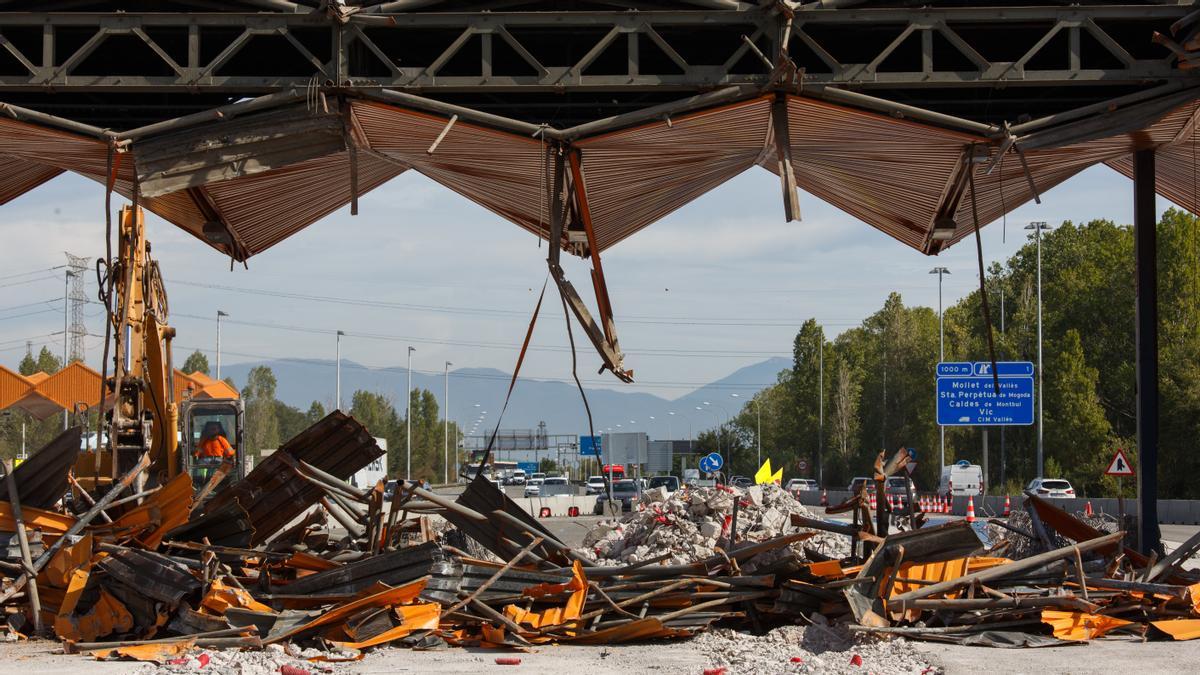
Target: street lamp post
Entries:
(446, 434)
(1037, 228)
(220, 314)
(941, 272)
(408, 421)
(338, 389)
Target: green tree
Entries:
(291, 421)
(1076, 428)
(376, 413)
(316, 413)
(196, 362)
(46, 362)
(262, 422)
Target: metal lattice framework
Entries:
(566, 67)
(78, 298)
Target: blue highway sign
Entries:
(966, 397)
(589, 446)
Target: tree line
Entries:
(270, 422)
(878, 378)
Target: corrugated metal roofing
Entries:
(12, 387)
(273, 496)
(889, 173)
(502, 172)
(636, 176)
(42, 479)
(893, 174)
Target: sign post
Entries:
(1119, 467)
(967, 396)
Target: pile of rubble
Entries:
(694, 523)
(169, 574)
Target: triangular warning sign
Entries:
(1119, 466)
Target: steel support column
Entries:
(1145, 242)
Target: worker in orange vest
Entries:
(212, 449)
(213, 444)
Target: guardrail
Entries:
(1170, 511)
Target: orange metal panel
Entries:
(1080, 625)
(12, 387)
(1179, 629)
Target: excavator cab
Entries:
(204, 423)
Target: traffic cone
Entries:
(824, 498)
(1087, 509)
(872, 501)
(1007, 506)
(970, 509)
(945, 505)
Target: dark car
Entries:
(625, 491)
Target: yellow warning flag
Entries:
(763, 475)
(777, 477)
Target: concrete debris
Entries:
(274, 659)
(817, 648)
(692, 524)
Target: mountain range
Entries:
(556, 403)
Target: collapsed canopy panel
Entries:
(503, 172)
(244, 183)
(634, 177)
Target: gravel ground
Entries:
(811, 649)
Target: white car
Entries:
(535, 479)
(595, 485)
(1051, 488)
(801, 485)
(532, 490)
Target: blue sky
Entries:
(720, 284)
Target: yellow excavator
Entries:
(139, 410)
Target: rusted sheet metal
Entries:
(890, 173)
(18, 177)
(393, 568)
(637, 176)
(400, 595)
(150, 574)
(227, 149)
(482, 497)
(271, 494)
(505, 173)
(42, 479)
(228, 526)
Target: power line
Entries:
(482, 311)
(477, 376)
(29, 281)
(481, 345)
(25, 274)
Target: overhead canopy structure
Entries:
(245, 121)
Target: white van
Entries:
(961, 479)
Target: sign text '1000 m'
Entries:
(966, 395)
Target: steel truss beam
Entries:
(585, 51)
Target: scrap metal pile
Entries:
(159, 574)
